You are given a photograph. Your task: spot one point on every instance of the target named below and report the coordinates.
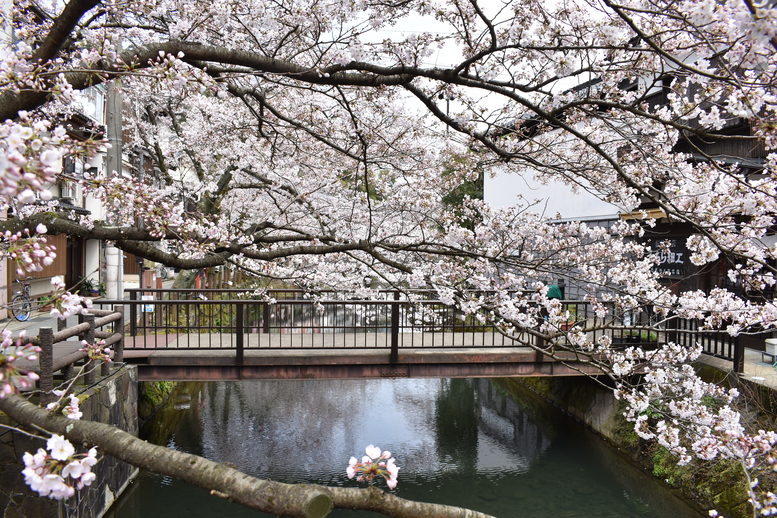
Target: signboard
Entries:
(147, 308)
(672, 256)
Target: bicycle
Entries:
(21, 304)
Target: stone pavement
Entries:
(759, 368)
(37, 320)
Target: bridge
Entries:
(203, 334)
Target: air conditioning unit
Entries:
(68, 190)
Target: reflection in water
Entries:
(503, 422)
(458, 441)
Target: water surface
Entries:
(459, 442)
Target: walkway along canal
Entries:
(458, 441)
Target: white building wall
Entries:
(554, 200)
(7, 32)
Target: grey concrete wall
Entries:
(582, 398)
(113, 400)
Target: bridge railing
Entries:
(196, 323)
(720, 344)
(240, 320)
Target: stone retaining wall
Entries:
(717, 484)
(112, 400)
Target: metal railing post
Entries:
(671, 327)
(541, 344)
(739, 356)
(118, 351)
(394, 356)
(239, 333)
(133, 314)
(46, 363)
(265, 317)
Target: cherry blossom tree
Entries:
(316, 142)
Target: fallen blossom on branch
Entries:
(373, 465)
(71, 410)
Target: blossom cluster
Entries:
(96, 351)
(28, 251)
(59, 472)
(13, 349)
(129, 200)
(374, 464)
(30, 156)
(66, 303)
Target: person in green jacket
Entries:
(554, 292)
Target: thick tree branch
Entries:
(153, 253)
(56, 224)
(135, 59)
(62, 28)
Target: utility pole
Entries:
(114, 258)
(141, 178)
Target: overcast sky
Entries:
(556, 197)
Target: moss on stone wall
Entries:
(623, 434)
(719, 484)
(665, 467)
(152, 395)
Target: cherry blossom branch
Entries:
(62, 28)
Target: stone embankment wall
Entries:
(152, 395)
(718, 485)
(112, 400)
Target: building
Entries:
(668, 237)
(82, 262)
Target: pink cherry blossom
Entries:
(375, 464)
(12, 349)
(59, 472)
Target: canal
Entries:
(457, 441)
